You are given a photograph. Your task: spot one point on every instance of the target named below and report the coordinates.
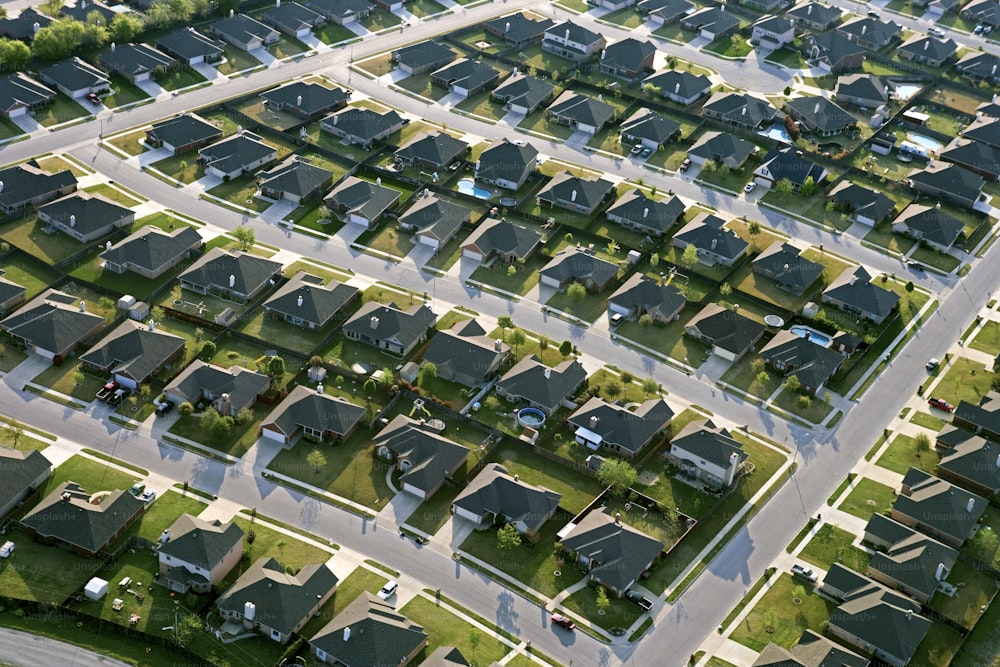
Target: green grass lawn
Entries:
(727, 47)
(587, 308)
(123, 92)
(977, 590)
(180, 78)
(927, 421)
(49, 246)
(619, 614)
(33, 276)
(163, 511)
(114, 194)
(932, 257)
(868, 497)
(61, 110)
(938, 647)
(446, 629)
(294, 338)
(236, 60)
(882, 235)
(526, 276)
(184, 167)
(380, 19)
(832, 545)
(288, 550)
(741, 375)
(129, 142)
(539, 121)
(965, 380)
(668, 339)
(9, 129)
(421, 8)
(788, 57)
(484, 105)
(816, 410)
(235, 443)
(10, 358)
(982, 646)
(332, 33)
(420, 84)
(903, 453)
(988, 338)
(89, 474)
(31, 573)
(348, 589)
(55, 163)
(777, 618)
(629, 17)
(576, 489)
(388, 239)
(64, 380)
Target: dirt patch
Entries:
(648, 478)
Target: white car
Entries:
(936, 31)
(388, 590)
(147, 496)
(804, 572)
(750, 187)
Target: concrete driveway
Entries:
(714, 367)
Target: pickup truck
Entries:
(117, 396)
(105, 392)
(635, 597)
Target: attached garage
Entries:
(472, 254)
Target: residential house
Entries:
(267, 600)
(466, 355)
(649, 129)
(664, 12)
(21, 95)
(432, 151)
(641, 295)
(342, 12)
(196, 555)
(27, 185)
(971, 463)
(523, 94)
(311, 414)
(294, 180)
(739, 110)
(684, 88)
(494, 496)
(578, 266)
(598, 423)
(574, 193)
(975, 156)
(75, 78)
(542, 387)
(986, 12)
(715, 243)
(518, 29)
(940, 7)
(815, 16)
(135, 62)
(982, 419)
(85, 217)
(721, 148)
(361, 202)
(423, 57)
(930, 225)
(614, 554)
(183, 133)
(707, 453)
(988, 110)
(228, 390)
(151, 252)
(306, 100)
(132, 353)
(190, 47)
(980, 66)
(947, 180)
(711, 23)
(84, 11)
(245, 33)
(425, 458)
(865, 205)
(984, 129)
(786, 164)
(24, 472)
(730, 334)
(389, 327)
(628, 58)
(938, 508)
(905, 560)
(821, 116)
(434, 221)
(369, 632)
(12, 295)
(581, 112)
(833, 52)
(363, 126)
(813, 364)
(234, 274)
(506, 165)
(306, 302)
(614, 5)
(502, 239)
(861, 90)
(237, 155)
(23, 26)
(928, 50)
(293, 19)
(772, 32)
(870, 33)
(571, 41)
(389, 5)
(854, 292)
(813, 650)
(53, 325)
(67, 517)
(640, 213)
(783, 263)
(765, 5)
(466, 77)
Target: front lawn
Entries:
(289, 551)
(65, 380)
(113, 194)
(91, 475)
(235, 442)
(965, 380)
(10, 358)
(741, 375)
(434, 512)
(185, 167)
(814, 410)
(236, 60)
(587, 308)
(348, 589)
(241, 191)
(867, 498)
(421, 8)
(123, 92)
(668, 339)
(786, 57)
(181, 77)
(56, 163)
(928, 421)
(778, 618)
(163, 511)
(903, 453)
(61, 110)
(380, 19)
(388, 238)
(540, 122)
(9, 129)
(333, 33)
(446, 629)
(619, 614)
(832, 545)
(484, 105)
(129, 142)
(43, 573)
(988, 338)
(734, 48)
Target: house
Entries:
(941, 7)
(905, 560)
(24, 472)
(183, 133)
(239, 154)
(304, 301)
(135, 62)
(434, 220)
(151, 252)
(928, 50)
(523, 94)
(772, 32)
(833, 52)
(711, 23)
(466, 355)
(861, 90)
(971, 463)
(267, 600)
(431, 151)
(306, 100)
(730, 334)
(361, 202)
(598, 423)
(640, 295)
(821, 116)
(865, 205)
(541, 386)
(518, 30)
(75, 78)
(786, 164)
(21, 95)
(294, 180)
(234, 274)
(721, 148)
(981, 419)
(783, 263)
(984, 129)
(980, 66)
(870, 33)
(363, 126)
(813, 650)
(132, 353)
(83, 11)
(930, 225)
(938, 508)
(52, 325)
(26, 185)
(986, 12)
(715, 243)
(664, 12)
(190, 47)
(574, 193)
(573, 42)
(506, 165)
(739, 110)
(466, 77)
(369, 631)
(813, 364)
(640, 213)
(494, 496)
(947, 180)
(389, 327)
(423, 57)
(86, 217)
(228, 390)
(578, 266)
(975, 156)
(245, 33)
(502, 239)
(707, 453)
(854, 292)
(22, 26)
(293, 19)
(12, 295)
(342, 12)
(815, 16)
(684, 88)
(196, 554)
(628, 58)
(425, 458)
(311, 414)
(614, 554)
(581, 112)
(389, 5)
(67, 517)
(649, 129)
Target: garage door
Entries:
(14, 113)
(272, 435)
(426, 240)
(472, 254)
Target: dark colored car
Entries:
(105, 392)
(940, 404)
(164, 408)
(635, 597)
(94, 98)
(686, 164)
(563, 622)
(118, 396)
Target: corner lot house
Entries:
(313, 415)
(24, 472)
(772, 32)
(576, 194)
(497, 238)
(506, 165)
(86, 217)
(369, 632)
(190, 47)
(812, 650)
(495, 497)
(854, 292)
(306, 100)
(363, 126)
(132, 352)
(389, 327)
(20, 95)
(628, 58)
(25, 185)
(425, 458)
(196, 555)
(151, 252)
(361, 202)
(939, 509)
(182, 133)
(75, 78)
(245, 33)
(518, 29)
(465, 354)
(52, 325)
(237, 155)
(540, 386)
(232, 274)
(306, 302)
(598, 423)
(715, 243)
(228, 390)
(435, 221)
(930, 225)
(730, 334)
(811, 363)
(135, 62)
(640, 295)
(423, 57)
(640, 213)
(578, 266)
(707, 453)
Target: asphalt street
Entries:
(22, 649)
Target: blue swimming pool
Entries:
(777, 131)
(905, 91)
(530, 417)
(925, 141)
(812, 335)
(467, 186)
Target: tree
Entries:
(758, 365)
(788, 91)
(626, 377)
(15, 430)
(645, 320)
(185, 409)
(517, 337)
(107, 305)
(244, 416)
(654, 259)
(491, 403)
(689, 257)
(808, 186)
(650, 387)
(671, 62)
(566, 348)
(316, 460)
(474, 638)
(737, 41)
(124, 28)
(276, 367)
(763, 378)
(543, 343)
(576, 291)
(14, 53)
(602, 600)
(792, 383)
(208, 419)
(207, 350)
(511, 270)
(244, 236)
(909, 286)
(78, 377)
(804, 401)
(505, 322)
(922, 443)
(157, 313)
(618, 475)
(612, 247)
(613, 389)
(428, 371)
(187, 625)
(784, 187)
(222, 427)
(725, 289)
(753, 229)
(508, 537)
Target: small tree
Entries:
(804, 401)
(602, 600)
(612, 247)
(474, 638)
(654, 259)
(763, 378)
(909, 286)
(245, 237)
(645, 320)
(517, 337)
(491, 403)
(244, 416)
(613, 389)
(784, 188)
(788, 91)
(566, 348)
(505, 322)
(207, 350)
(618, 475)
(758, 365)
(753, 229)
(15, 431)
(543, 343)
(725, 289)
(185, 409)
(808, 187)
(689, 257)
(792, 383)
(222, 427)
(922, 444)
(576, 291)
(428, 371)
(208, 419)
(508, 537)
(511, 270)
(650, 387)
(78, 377)
(626, 377)
(316, 460)
(157, 313)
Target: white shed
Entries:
(96, 589)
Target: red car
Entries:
(686, 164)
(940, 404)
(563, 622)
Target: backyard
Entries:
(976, 588)
(39, 239)
(28, 575)
(577, 489)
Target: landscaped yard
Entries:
(235, 443)
(129, 142)
(181, 77)
(113, 194)
(904, 453)
(289, 551)
(735, 47)
(741, 375)
(333, 33)
(588, 307)
(388, 239)
(832, 545)
(348, 589)
(867, 498)
(446, 629)
(31, 275)
(185, 167)
(163, 511)
(540, 122)
(965, 380)
(526, 275)
(988, 338)
(43, 573)
(65, 380)
(778, 618)
(236, 60)
(619, 614)
(123, 92)
(815, 410)
(938, 647)
(976, 589)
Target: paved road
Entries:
(22, 649)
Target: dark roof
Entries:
(628, 53)
(52, 321)
(363, 197)
(183, 130)
(834, 46)
(134, 59)
(576, 33)
(821, 113)
(985, 415)
(774, 24)
(435, 217)
(23, 182)
(871, 29)
(519, 28)
(618, 553)
(310, 98)
(8, 290)
(976, 460)
(869, 202)
(291, 15)
(296, 176)
(578, 265)
(188, 43)
(74, 74)
(363, 123)
(495, 491)
(424, 54)
(929, 47)
(308, 408)
(236, 152)
(715, 18)
(723, 145)
(379, 635)
(864, 86)
(341, 8)
(432, 457)
(82, 10)
(568, 187)
(85, 212)
(23, 26)
(318, 303)
(812, 364)
(670, 7)
(932, 223)
(855, 288)
(439, 149)
(151, 247)
(505, 237)
(651, 125)
(974, 154)
(445, 656)
(741, 108)
(241, 27)
(981, 65)
(639, 209)
(20, 470)
(524, 90)
(132, 349)
(505, 160)
(912, 558)
(986, 129)
(785, 163)
(68, 515)
(939, 504)
(641, 292)
(216, 267)
(465, 348)
(405, 326)
(616, 425)
(199, 542)
(467, 73)
(815, 12)
(813, 650)
(710, 442)
(727, 328)
(784, 263)
(19, 89)
(241, 384)
(682, 84)
(537, 383)
(706, 232)
(582, 109)
(876, 620)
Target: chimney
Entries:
(152, 324)
(231, 13)
(83, 306)
(809, 10)
(909, 614)
(374, 322)
(517, 478)
(378, 182)
(506, 27)
(927, 43)
(277, 3)
(232, 281)
(498, 345)
(319, 388)
(853, 278)
(864, 29)
(35, 27)
(566, 35)
(113, 46)
(604, 52)
(715, 242)
(734, 463)
(939, 573)
(645, 212)
(336, 118)
(970, 505)
(736, 307)
(298, 302)
(998, 460)
(72, 220)
(677, 87)
(593, 421)
(618, 518)
(347, 633)
(547, 373)
(298, 100)
(816, 108)
(164, 536)
(477, 165)
(572, 196)
(1, 186)
(107, 246)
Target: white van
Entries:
(7, 549)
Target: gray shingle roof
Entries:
(74, 74)
(236, 152)
(870, 30)
(785, 163)
(26, 181)
(650, 125)
(784, 263)
(505, 160)
(639, 209)
(974, 459)
(18, 89)
(577, 265)
(815, 12)
(863, 201)
(980, 65)
(495, 235)
(151, 248)
(319, 302)
(467, 73)
(628, 53)
(973, 154)
(567, 187)
(53, 321)
(22, 26)
(527, 380)
(821, 113)
(834, 47)
(727, 329)
(939, 504)
(722, 145)
(629, 430)
(986, 129)
(85, 212)
(241, 384)
(132, 349)
(582, 109)
(706, 232)
(188, 43)
(855, 288)
(215, 268)
(876, 620)
(134, 59)
(715, 19)
(932, 223)
(68, 515)
(647, 296)
(9, 289)
(392, 323)
(341, 8)
(241, 28)
(424, 54)
(925, 46)
(379, 634)
(295, 176)
(813, 650)
(364, 198)
(311, 98)
(199, 542)
(435, 217)
(307, 408)
(812, 364)
(291, 16)
(465, 348)
(912, 557)
(864, 86)
(82, 11)
(432, 457)
(618, 553)
(365, 124)
(184, 129)
(519, 28)
(20, 470)
(524, 90)
(576, 33)
(438, 149)
(775, 24)
(494, 491)
(683, 84)
(710, 442)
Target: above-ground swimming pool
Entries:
(924, 141)
(530, 417)
(467, 186)
(811, 335)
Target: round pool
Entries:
(530, 417)
(467, 186)
(774, 321)
(811, 335)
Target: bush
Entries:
(208, 350)
(185, 409)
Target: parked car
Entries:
(936, 31)
(978, 30)
(637, 598)
(804, 572)
(105, 392)
(164, 408)
(932, 364)
(93, 98)
(646, 152)
(750, 187)
(916, 266)
(686, 164)
(137, 488)
(147, 496)
(940, 404)
(636, 149)
(616, 319)
(873, 14)
(563, 622)
(117, 397)
(388, 590)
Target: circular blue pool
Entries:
(467, 186)
(530, 417)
